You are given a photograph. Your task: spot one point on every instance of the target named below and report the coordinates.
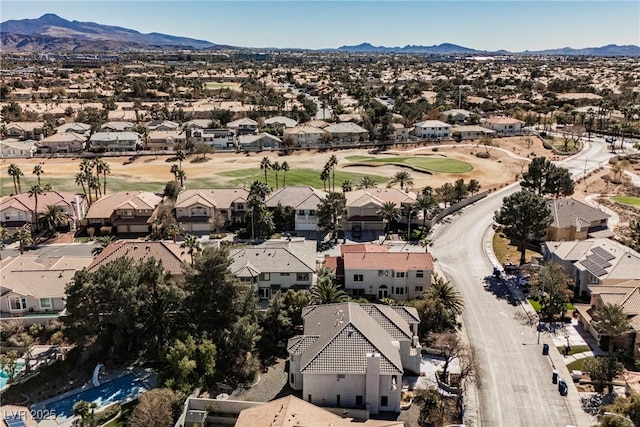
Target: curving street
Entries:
(516, 388)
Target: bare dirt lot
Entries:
(507, 159)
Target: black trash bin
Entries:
(562, 388)
(545, 349)
(554, 376)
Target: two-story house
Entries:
(504, 126)
(220, 139)
(363, 206)
(162, 140)
(371, 271)
(456, 116)
(305, 136)
(258, 142)
(24, 130)
(347, 133)
(204, 210)
(243, 126)
(127, 211)
(280, 122)
(117, 126)
(574, 220)
(353, 356)
(162, 125)
(18, 210)
(64, 142)
(115, 141)
(432, 129)
(276, 265)
(302, 202)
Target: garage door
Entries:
(200, 227)
(139, 228)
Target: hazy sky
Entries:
(489, 25)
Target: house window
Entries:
(300, 212)
(419, 288)
(398, 291)
(264, 293)
(265, 277)
(359, 400)
(382, 273)
(240, 207)
(340, 376)
(126, 213)
(285, 274)
(384, 400)
(400, 274)
(357, 293)
(358, 278)
(312, 212)
(383, 292)
(419, 273)
(45, 303)
(292, 378)
(302, 277)
(198, 211)
(17, 303)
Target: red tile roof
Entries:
(363, 247)
(397, 261)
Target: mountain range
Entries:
(51, 33)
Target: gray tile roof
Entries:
(299, 343)
(293, 196)
(572, 213)
(276, 257)
(391, 321)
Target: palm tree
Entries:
(443, 292)
(331, 165)
(173, 230)
(103, 242)
(37, 170)
(265, 165)
(347, 185)
(366, 182)
(388, 212)
(23, 236)
(35, 191)
(98, 164)
(284, 167)
(54, 215)
(181, 176)
(15, 173)
(428, 205)
(180, 156)
(94, 184)
(4, 233)
(276, 167)
(325, 291)
(174, 170)
(324, 176)
(84, 410)
(611, 321)
(105, 170)
(192, 243)
(403, 178)
(80, 181)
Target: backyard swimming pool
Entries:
(120, 390)
(4, 377)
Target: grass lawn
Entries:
(535, 304)
(216, 86)
(575, 349)
(113, 184)
(506, 252)
(309, 177)
(576, 365)
(430, 164)
(121, 421)
(627, 200)
(558, 144)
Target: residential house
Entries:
(36, 284)
(471, 132)
(627, 296)
(115, 141)
(316, 124)
(169, 254)
(220, 139)
(363, 205)
(117, 126)
(574, 220)
(163, 140)
(351, 355)
(162, 125)
(400, 132)
(300, 201)
(371, 271)
(432, 129)
(64, 142)
(258, 142)
(504, 126)
(24, 130)
(204, 210)
(127, 211)
(276, 265)
(347, 132)
(281, 122)
(16, 211)
(243, 126)
(593, 262)
(16, 148)
(305, 136)
(456, 116)
(82, 129)
(197, 124)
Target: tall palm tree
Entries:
(611, 321)
(80, 180)
(265, 165)
(173, 230)
(94, 184)
(38, 170)
(443, 292)
(174, 170)
(324, 176)
(347, 185)
(181, 175)
(15, 173)
(99, 164)
(403, 178)
(366, 182)
(23, 236)
(54, 215)
(106, 169)
(35, 191)
(276, 167)
(428, 205)
(192, 243)
(331, 165)
(284, 167)
(103, 242)
(389, 213)
(180, 156)
(327, 292)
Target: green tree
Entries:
(191, 363)
(171, 190)
(103, 242)
(284, 167)
(325, 291)
(524, 214)
(192, 244)
(180, 157)
(429, 207)
(331, 211)
(265, 165)
(23, 236)
(551, 286)
(473, 187)
(276, 168)
(14, 172)
(460, 189)
(35, 191)
(85, 410)
(389, 213)
(611, 321)
(446, 193)
(282, 316)
(442, 291)
(559, 182)
(366, 182)
(543, 177)
(53, 216)
(627, 406)
(600, 368)
(174, 171)
(347, 185)
(403, 178)
(38, 170)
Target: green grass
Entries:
(506, 252)
(309, 177)
(60, 184)
(627, 200)
(429, 164)
(576, 365)
(121, 420)
(535, 304)
(575, 349)
(558, 144)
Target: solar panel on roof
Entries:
(600, 262)
(14, 421)
(603, 253)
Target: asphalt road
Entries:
(516, 387)
(54, 250)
